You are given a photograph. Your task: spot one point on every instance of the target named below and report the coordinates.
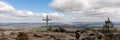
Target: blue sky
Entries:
(37, 6)
(59, 10)
(32, 5)
(29, 11)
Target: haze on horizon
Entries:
(59, 10)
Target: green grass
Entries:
(37, 30)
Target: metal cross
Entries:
(47, 19)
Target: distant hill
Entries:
(65, 25)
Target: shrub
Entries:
(56, 30)
(62, 30)
(59, 30)
(49, 29)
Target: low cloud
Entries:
(89, 10)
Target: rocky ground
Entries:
(86, 34)
(39, 36)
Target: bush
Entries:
(62, 30)
(49, 29)
(56, 30)
(59, 30)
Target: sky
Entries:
(24, 11)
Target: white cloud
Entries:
(70, 5)
(51, 15)
(82, 10)
(9, 14)
(55, 16)
(89, 10)
(6, 8)
(24, 13)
